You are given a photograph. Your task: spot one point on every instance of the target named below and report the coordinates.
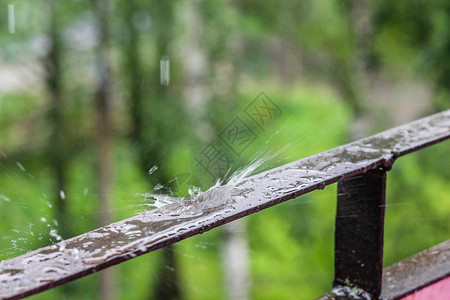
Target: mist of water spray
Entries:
(225, 184)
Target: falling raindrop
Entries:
(11, 19)
(165, 70)
(62, 194)
(194, 191)
(5, 198)
(158, 187)
(21, 167)
(54, 233)
(152, 170)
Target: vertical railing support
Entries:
(359, 233)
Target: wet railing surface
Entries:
(416, 272)
(96, 250)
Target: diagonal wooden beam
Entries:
(93, 251)
(416, 272)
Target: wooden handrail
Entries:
(79, 256)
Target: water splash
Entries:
(159, 200)
(223, 186)
(54, 233)
(21, 238)
(152, 227)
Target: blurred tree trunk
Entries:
(135, 74)
(56, 149)
(197, 92)
(103, 105)
(361, 23)
(236, 262)
(143, 120)
(167, 284)
(357, 76)
(360, 20)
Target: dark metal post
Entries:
(359, 232)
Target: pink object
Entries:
(437, 291)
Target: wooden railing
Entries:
(360, 170)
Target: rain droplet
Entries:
(5, 198)
(20, 166)
(11, 19)
(152, 170)
(55, 234)
(165, 71)
(158, 187)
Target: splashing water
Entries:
(223, 186)
(54, 233)
(159, 200)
